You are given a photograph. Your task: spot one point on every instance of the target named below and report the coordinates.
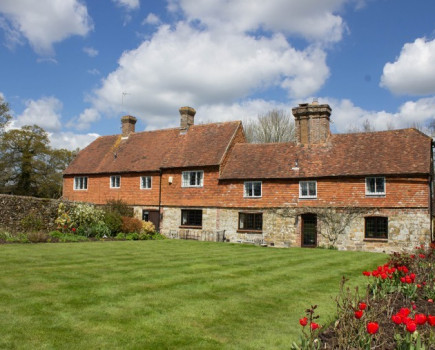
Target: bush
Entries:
(31, 222)
(57, 236)
(113, 221)
(130, 225)
(98, 230)
(134, 236)
(120, 236)
(84, 215)
(36, 237)
(118, 206)
(148, 227)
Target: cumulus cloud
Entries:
(43, 22)
(43, 112)
(70, 140)
(85, 119)
(128, 4)
(183, 65)
(345, 115)
(151, 19)
(413, 71)
(311, 19)
(90, 51)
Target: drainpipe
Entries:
(160, 197)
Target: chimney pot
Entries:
(128, 125)
(187, 115)
(312, 122)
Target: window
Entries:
(252, 189)
(375, 186)
(192, 178)
(81, 183)
(251, 221)
(191, 218)
(376, 227)
(307, 189)
(115, 181)
(145, 182)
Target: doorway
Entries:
(309, 230)
(151, 215)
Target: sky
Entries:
(74, 67)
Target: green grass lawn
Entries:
(166, 294)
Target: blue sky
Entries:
(75, 67)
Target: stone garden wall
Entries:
(20, 214)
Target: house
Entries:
(360, 191)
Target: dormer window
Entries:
(375, 186)
(192, 178)
(115, 181)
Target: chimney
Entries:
(128, 123)
(312, 122)
(187, 115)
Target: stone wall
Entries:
(407, 228)
(18, 213)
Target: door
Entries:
(309, 230)
(153, 216)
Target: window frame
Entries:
(84, 183)
(150, 182)
(245, 192)
(308, 196)
(191, 224)
(189, 172)
(377, 220)
(112, 178)
(249, 229)
(376, 193)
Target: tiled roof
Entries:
(404, 151)
(201, 145)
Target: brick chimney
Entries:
(128, 123)
(187, 115)
(312, 122)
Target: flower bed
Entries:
(396, 311)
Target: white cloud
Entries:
(186, 66)
(128, 4)
(85, 119)
(312, 19)
(90, 51)
(71, 140)
(151, 19)
(43, 112)
(413, 71)
(43, 22)
(94, 71)
(345, 115)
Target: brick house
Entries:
(363, 191)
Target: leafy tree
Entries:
(273, 126)
(5, 117)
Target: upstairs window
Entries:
(307, 189)
(192, 179)
(252, 189)
(115, 181)
(376, 227)
(81, 183)
(145, 182)
(375, 186)
(251, 221)
(191, 218)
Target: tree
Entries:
(5, 117)
(273, 126)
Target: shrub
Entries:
(119, 206)
(113, 221)
(148, 227)
(134, 236)
(130, 225)
(36, 237)
(85, 215)
(63, 219)
(32, 222)
(120, 236)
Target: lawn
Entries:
(166, 294)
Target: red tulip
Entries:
(303, 321)
(422, 256)
(411, 327)
(430, 300)
(420, 318)
(314, 326)
(366, 273)
(358, 314)
(431, 320)
(402, 279)
(362, 306)
(396, 319)
(414, 307)
(73, 229)
(404, 311)
(372, 327)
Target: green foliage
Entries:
(98, 230)
(119, 206)
(113, 221)
(134, 236)
(32, 222)
(57, 236)
(120, 236)
(63, 219)
(37, 237)
(5, 117)
(130, 225)
(86, 215)
(148, 227)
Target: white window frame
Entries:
(113, 181)
(82, 182)
(376, 193)
(307, 183)
(252, 184)
(148, 180)
(186, 178)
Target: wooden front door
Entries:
(309, 230)
(153, 216)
